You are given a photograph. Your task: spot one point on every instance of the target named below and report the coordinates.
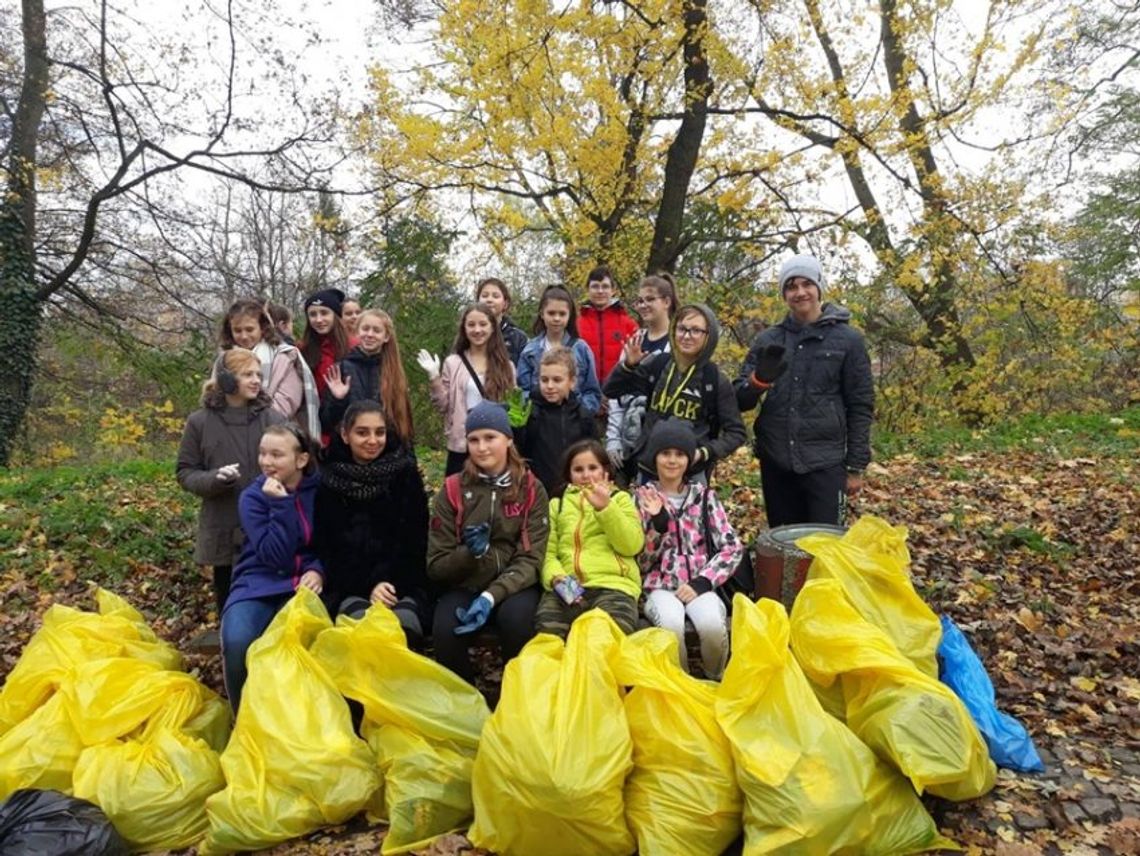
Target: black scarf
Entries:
(367, 481)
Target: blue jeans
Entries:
(242, 623)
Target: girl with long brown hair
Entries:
(478, 369)
(285, 376)
(557, 324)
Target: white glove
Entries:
(229, 473)
(429, 363)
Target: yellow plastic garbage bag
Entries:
(41, 751)
(293, 763)
(872, 563)
(153, 790)
(914, 722)
(810, 786)
(69, 637)
(427, 787)
(110, 698)
(369, 661)
(421, 719)
(207, 717)
(553, 759)
(682, 795)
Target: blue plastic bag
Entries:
(960, 669)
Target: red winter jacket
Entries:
(605, 331)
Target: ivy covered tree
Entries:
(99, 134)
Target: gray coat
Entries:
(818, 412)
(212, 438)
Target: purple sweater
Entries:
(278, 541)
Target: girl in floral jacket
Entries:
(690, 548)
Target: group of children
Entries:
(530, 527)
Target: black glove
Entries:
(770, 364)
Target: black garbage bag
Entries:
(48, 823)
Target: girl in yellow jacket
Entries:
(591, 555)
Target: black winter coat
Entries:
(371, 526)
(818, 413)
(549, 432)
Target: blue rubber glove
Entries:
(475, 615)
(478, 539)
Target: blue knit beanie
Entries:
(488, 414)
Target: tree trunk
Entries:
(686, 146)
(21, 318)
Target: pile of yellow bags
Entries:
(421, 720)
(909, 718)
(293, 763)
(871, 563)
(96, 708)
(816, 741)
(810, 785)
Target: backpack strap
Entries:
(528, 504)
(452, 492)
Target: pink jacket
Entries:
(449, 395)
(678, 550)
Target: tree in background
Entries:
(411, 282)
(100, 135)
(914, 145)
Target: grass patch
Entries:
(1109, 435)
(99, 522)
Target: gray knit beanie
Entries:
(488, 414)
(804, 265)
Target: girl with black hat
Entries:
(690, 547)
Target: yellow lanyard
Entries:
(664, 402)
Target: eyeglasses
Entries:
(600, 286)
(691, 332)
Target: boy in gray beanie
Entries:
(811, 376)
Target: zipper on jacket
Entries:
(498, 561)
(578, 538)
(306, 533)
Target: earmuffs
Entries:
(227, 380)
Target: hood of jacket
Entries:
(615, 304)
(711, 339)
(830, 313)
(357, 356)
(215, 399)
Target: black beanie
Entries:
(330, 298)
(670, 434)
